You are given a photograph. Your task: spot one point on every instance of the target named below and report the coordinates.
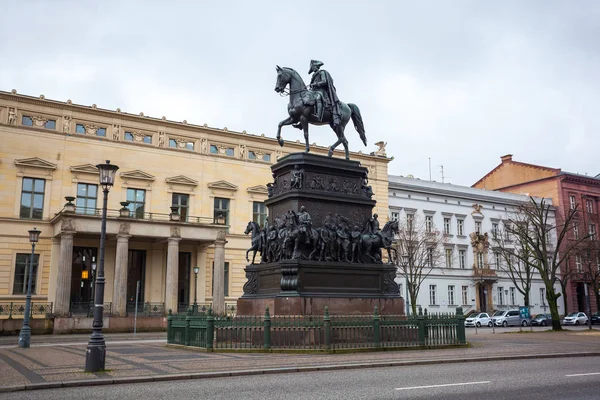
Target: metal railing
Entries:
(149, 216)
(86, 309)
(317, 332)
(17, 308)
(146, 309)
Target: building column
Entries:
(172, 274)
(201, 263)
(62, 300)
(218, 301)
(119, 297)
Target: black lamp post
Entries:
(25, 334)
(196, 270)
(95, 356)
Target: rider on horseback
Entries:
(305, 224)
(372, 228)
(322, 83)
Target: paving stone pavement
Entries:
(59, 363)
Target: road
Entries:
(546, 379)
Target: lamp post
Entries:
(25, 334)
(196, 270)
(95, 356)
(220, 218)
(405, 260)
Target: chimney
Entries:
(507, 158)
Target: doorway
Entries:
(82, 274)
(581, 303)
(482, 298)
(136, 271)
(183, 287)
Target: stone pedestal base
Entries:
(280, 305)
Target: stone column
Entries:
(172, 274)
(62, 300)
(201, 263)
(219, 277)
(119, 297)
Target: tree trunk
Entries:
(413, 301)
(552, 299)
(526, 298)
(563, 287)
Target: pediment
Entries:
(181, 180)
(34, 162)
(137, 174)
(259, 189)
(84, 169)
(223, 185)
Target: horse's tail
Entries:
(358, 122)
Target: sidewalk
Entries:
(136, 361)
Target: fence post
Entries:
(10, 310)
(267, 328)
(210, 329)
(427, 323)
(421, 326)
(460, 327)
(327, 328)
(169, 327)
(376, 338)
(188, 317)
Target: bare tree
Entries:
(533, 225)
(588, 256)
(509, 256)
(420, 249)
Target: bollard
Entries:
(210, 329)
(376, 331)
(267, 328)
(327, 328)
(170, 327)
(460, 327)
(188, 317)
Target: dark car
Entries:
(596, 318)
(542, 320)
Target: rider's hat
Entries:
(313, 64)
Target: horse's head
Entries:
(249, 227)
(283, 79)
(390, 228)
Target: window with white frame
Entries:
(500, 296)
(460, 227)
(480, 263)
(572, 202)
(462, 258)
(409, 221)
(498, 259)
(578, 263)
(448, 258)
(592, 231)
(432, 295)
(495, 230)
(451, 295)
(430, 257)
(447, 225)
(395, 216)
(478, 227)
(575, 230)
(465, 295)
(589, 206)
(542, 296)
(429, 223)
(513, 299)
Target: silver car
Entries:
(508, 318)
(575, 318)
(478, 320)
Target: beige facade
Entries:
(48, 151)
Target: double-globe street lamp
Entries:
(25, 334)
(95, 356)
(196, 270)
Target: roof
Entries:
(508, 159)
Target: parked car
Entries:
(508, 318)
(542, 320)
(575, 318)
(596, 318)
(478, 320)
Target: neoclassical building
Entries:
(468, 274)
(182, 198)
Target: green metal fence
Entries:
(316, 332)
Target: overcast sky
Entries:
(461, 82)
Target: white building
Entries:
(469, 277)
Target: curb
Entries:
(282, 370)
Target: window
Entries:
(182, 202)
(428, 223)
(498, 259)
(543, 296)
(87, 195)
(480, 263)
(572, 202)
(462, 256)
(32, 198)
(259, 213)
(266, 157)
(128, 136)
(136, 199)
(101, 132)
(251, 155)
(26, 120)
(578, 264)
(409, 221)
(50, 124)
(548, 236)
(513, 300)
(432, 295)
(189, 145)
(79, 128)
(465, 295)
(172, 143)
(448, 258)
(447, 226)
(22, 271)
(451, 295)
(575, 230)
(430, 257)
(500, 296)
(395, 216)
(460, 227)
(147, 139)
(221, 208)
(225, 279)
(589, 207)
(478, 227)
(229, 152)
(214, 149)
(592, 231)
(495, 230)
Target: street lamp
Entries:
(405, 260)
(95, 356)
(25, 334)
(220, 218)
(196, 270)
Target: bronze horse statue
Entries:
(302, 114)
(256, 240)
(373, 242)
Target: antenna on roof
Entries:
(430, 168)
(442, 172)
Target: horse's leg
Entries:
(339, 131)
(304, 122)
(287, 121)
(248, 251)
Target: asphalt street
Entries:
(566, 378)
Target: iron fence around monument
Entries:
(17, 309)
(315, 332)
